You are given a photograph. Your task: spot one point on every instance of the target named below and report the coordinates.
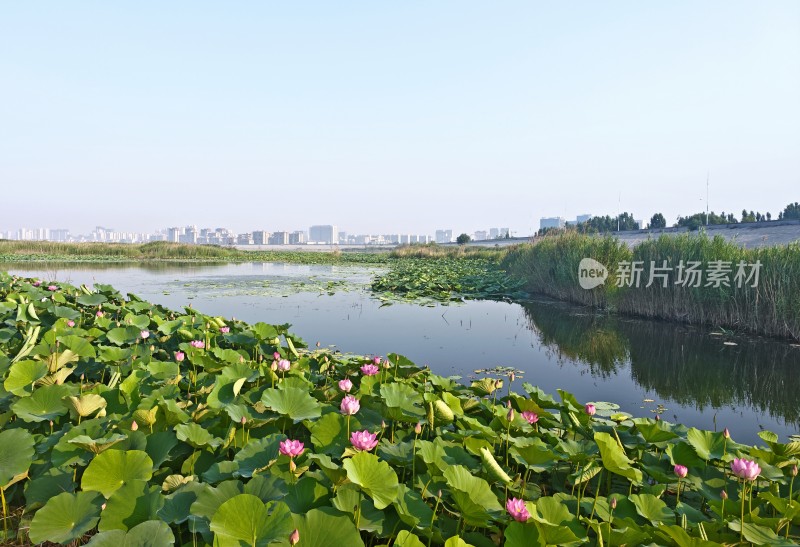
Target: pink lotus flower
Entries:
(134, 426)
(179, 356)
(370, 370)
(350, 405)
(377, 361)
(224, 330)
(345, 385)
(530, 417)
(52, 288)
(70, 323)
(363, 440)
(516, 508)
(680, 471)
(276, 355)
(284, 365)
(745, 469)
(145, 334)
(290, 448)
(294, 537)
(199, 344)
(590, 409)
(37, 283)
(99, 313)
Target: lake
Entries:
(686, 374)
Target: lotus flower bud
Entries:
(513, 377)
(318, 344)
(418, 428)
(510, 415)
(794, 470)
(613, 503)
(51, 425)
(439, 493)
(726, 433)
(658, 418)
(103, 507)
(134, 426)
(274, 366)
(294, 537)
(383, 424)
(723, 495)
(276, 355)
(244, 420)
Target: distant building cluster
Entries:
(560, 222)
(321, 234)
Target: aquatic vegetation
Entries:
(444, 280)
(109, 437)
(768, 306)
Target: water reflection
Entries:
(684, 364)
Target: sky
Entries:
(386, 117)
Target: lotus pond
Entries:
(127, 422)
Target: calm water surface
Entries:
(699, 379)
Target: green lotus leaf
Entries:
(51, 483)
(96, 446)
(293, 402)
(614, 457)
(707, 444)
(244, 520)
(411, 508)
(324, 527)
(759, 535)
(329, 433)
(22, 376)
(123, 335)
(169, 327)
(79, 345)
(518, 534)
(177, 506)
(473, 496)
(208, 501)
(132, 504)
(112, 354)
(369, 518)
(16, 454)
(146, 417)
(264, 331)
(113, 469)
(43, 405)
(306, 494)
(139, 321)
(375, 477)
(484, 386)
(456, 541)
(652, 508)
(66, 517)
(402, 400)
(159, 445)
(147, 534)
(86, 405)
(194, 435)
(258, 454)
(407, 539)
(94, 299)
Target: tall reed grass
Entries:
(772, 307)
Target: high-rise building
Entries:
(552, 222)
(297, 238)
(279, 238)
(323, 233)
(260, 237)
(444, 236)
(481, 235)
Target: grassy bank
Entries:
(45, 251)
(772, 307)
(126, 423)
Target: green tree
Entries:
(658, 221)
(463, 238)
(791, 212)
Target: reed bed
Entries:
(771, 307)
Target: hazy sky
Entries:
(393, 116)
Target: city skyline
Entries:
(395, 115)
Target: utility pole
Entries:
(619, 201)
(708, 175)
